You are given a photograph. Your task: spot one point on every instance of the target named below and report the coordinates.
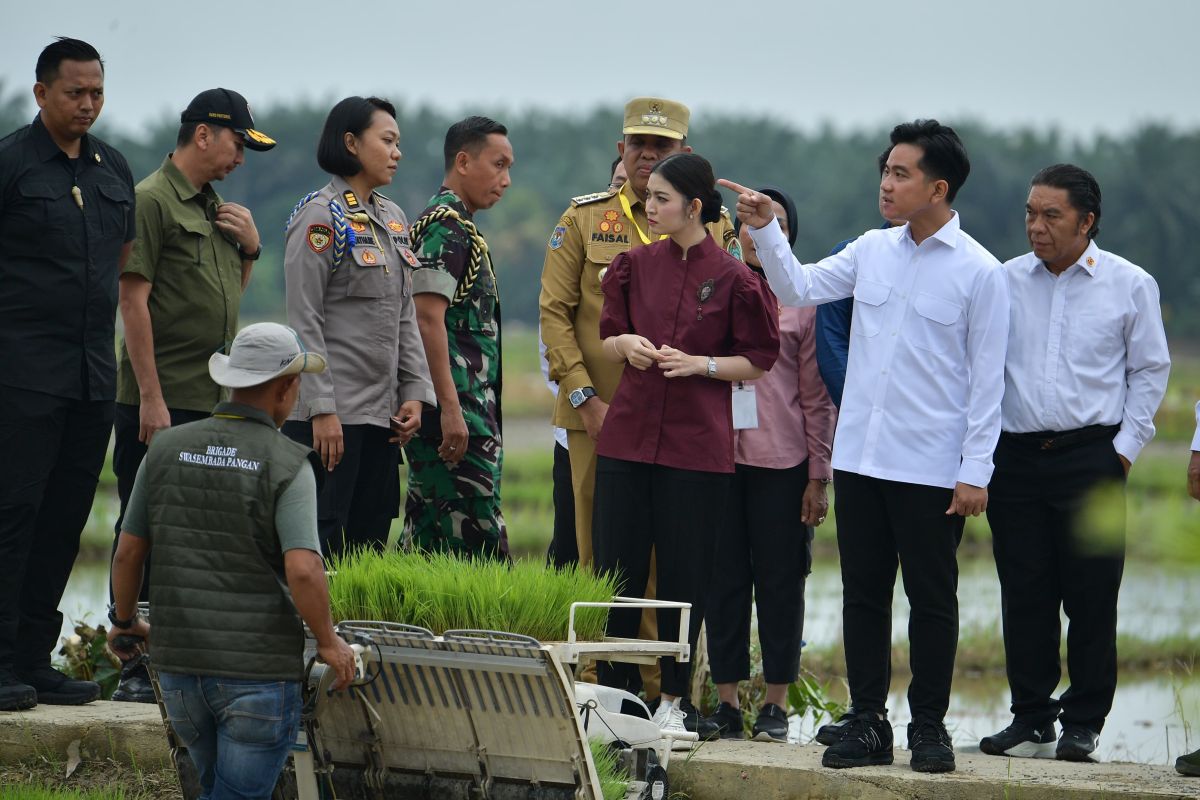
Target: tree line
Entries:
(1150, 179)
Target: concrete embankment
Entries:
(133, 734)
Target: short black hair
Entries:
(469, 135)
(60, 50)
(1083, 192)
(943, 156)
(883, 157)
(187, 132)
(692, 176)
(612, 170)
(352, 115)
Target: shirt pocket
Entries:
(932, 327)
(1096, 336)
(869, 300)
(115, 203)
(599, 256)
(193, 240)
(54, 211)
(367, 278)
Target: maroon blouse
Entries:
(708, 305)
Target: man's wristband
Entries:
(117, 622)
(250, 256)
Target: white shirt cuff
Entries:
(768, 235)
(1196, 438)
(975, 473)
(1127, 445)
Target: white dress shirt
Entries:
(560, 434)
(1196, 437)
(1085, 348)
(925, 371)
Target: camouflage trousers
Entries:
(455, 509)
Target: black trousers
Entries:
(677, 512)
(764, 551)
(563, 549)
(1058, 534)
(881, 524)
(53, 450)
(128, 453)
(361, 497)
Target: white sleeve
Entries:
(796, 284)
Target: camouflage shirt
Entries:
(473, 318)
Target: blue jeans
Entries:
(238, 732)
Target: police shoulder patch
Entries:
(319, 238)
(586, 199)
(734, 248)
(556, 238)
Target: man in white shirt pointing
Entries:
(912, 455)
(1086, 369)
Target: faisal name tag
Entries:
(745, 407)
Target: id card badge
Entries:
(745, 407)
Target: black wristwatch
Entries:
(250, 256)
(121, 623)
(581, 396)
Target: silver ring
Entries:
(451, 448)
(820, 519)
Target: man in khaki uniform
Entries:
(590, 234)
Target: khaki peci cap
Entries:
(656, 117)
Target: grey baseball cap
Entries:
(262, 352)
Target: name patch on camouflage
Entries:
(319, 238)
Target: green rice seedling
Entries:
(45, 793)
(614, 781)
(443, 592)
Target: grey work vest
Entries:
(218, 596)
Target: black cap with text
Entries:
(228, 108)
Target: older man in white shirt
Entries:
(1086, 369)
(918, 423)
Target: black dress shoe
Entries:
(1077, 744)
(135, 685)
(14, 694)
(56, 689)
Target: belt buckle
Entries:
(1048, 444)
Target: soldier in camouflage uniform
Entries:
(454, 462)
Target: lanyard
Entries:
(629, 215)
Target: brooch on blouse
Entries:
(702, 294)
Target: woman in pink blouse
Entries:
(688, 318)
(782, 452)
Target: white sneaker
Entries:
(669, 718)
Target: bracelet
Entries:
(250, 256)
(117, 622)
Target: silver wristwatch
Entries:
(711, 372)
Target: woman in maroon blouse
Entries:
(688, 318)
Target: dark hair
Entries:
(692, 176)
(1082, 190)
(60, 50)
(789, 209)
(613, 168)
(187, 132)
(943, 158)
(469, 135)
(352, 115)
(882, 159)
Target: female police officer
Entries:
(349, 295)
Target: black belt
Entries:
(1060, 440)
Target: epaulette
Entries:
(594, 197)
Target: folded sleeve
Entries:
(754, 323)
(615, 318)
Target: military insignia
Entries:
(351, 199)
(705, 291)
(655, 117)
(357, 227)
(368, 257)
(612, 215)
(409, 257)
(605, 226)
(1091, 262)
(734, 248)
(594, 197)
(319, 238)
(395, 227)
(261, 138)
(618, 227)
(97, 157)
(556, 238)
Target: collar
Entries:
(947, 234)
(627, 190)
(366, 204)
(252, 413)
(704, 249)
(449, 197)
(1090, 258)
(46, 148)
(179, 182)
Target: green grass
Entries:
(43, 793)
(442, 592)
(614, 781)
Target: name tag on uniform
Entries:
(745, 407)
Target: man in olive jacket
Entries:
(228, 504)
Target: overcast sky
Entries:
(1085, 66)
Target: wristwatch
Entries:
(250, 256)
(581, 396)
(117, 622)
(711, 371)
